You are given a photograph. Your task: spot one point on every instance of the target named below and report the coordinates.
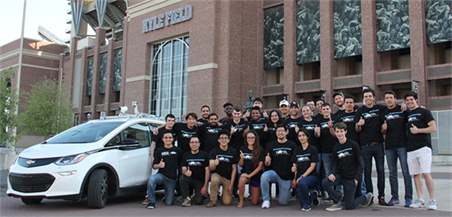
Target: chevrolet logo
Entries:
(30, 162)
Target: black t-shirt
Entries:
(327, 141)
(304, 158)
(346, 160)
(280, 154)
(317, 116)
(259, 128)
(248, 166)
(349, 120)
(210, 137)
(197, 164)
(396, 133)
(270, 135)
(227, 159)
(204, 122)
(158, 138)
(171, 157)
(420, 117)
(310, 127)
(371, 130)
(291, 124)
(184, 135)
(237, 138)
(340, 112)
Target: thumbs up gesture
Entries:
(188, 172)
(297, 128)
(242, 156)
(414, 129)
(294, 168)
(265, 128)
(385, 126)
(361, 122)
(232, 130)
(161, 164)
(330, 123)
(317, 129)
(268, 159)
(217, 161)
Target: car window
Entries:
(85, 133)
(140, 132)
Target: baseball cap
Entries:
(284, 102)
(338, 93)
(295, 103)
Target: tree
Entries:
(47, 110)
(8, 105)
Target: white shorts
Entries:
(420, 161)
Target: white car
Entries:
(95, 160)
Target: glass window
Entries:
(138, 132)
(85, 133)
(169, 77)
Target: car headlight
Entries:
(73, 159)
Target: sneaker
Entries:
(393, 202)
(407, 202)
(163, 199)
(179, 199)
(151, 206)
(306, 208)
(418, 204)
(369, 200)
(327, 200)
(381, 201)
(432, 205)
(335, 207)
(315, 201)
(186, 202)
(211, 204)
(266, 204)
(145, 201)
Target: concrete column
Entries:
(371, 59)
(109, 96)
(328, 66)
(291, 69)
(419, 49)
(95, 98)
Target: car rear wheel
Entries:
(31, 201)
(98, 189)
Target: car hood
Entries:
(57, 150)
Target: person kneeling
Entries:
(348, 166)
(166, 160)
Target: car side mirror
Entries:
(130, 142)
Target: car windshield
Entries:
(85, 133)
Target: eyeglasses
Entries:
(223, 138)
(251, 137)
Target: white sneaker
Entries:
(418, 204)
(266, 204)
(432, 205)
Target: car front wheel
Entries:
(98, 189)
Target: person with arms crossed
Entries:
(419, 149)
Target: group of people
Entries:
(318, 154)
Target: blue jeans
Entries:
(306, 183)
(376, 151)
(270, 176)
(391, 157)
(327, 160)
(350, 201)
(158, 179)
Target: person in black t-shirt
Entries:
(277, 160)
(284, 109)
(251, 160)
(167, 159)
(327, 137)
(187, 130)
(347, 170)
(292, 121)
(157, 141)
(304, 160)
(205, 111)
(235, 127)
(256, 124)
(270, 128)
(210, 133)
(368, 125)
(419, 147)
(228, 111)
(223, 164)
(394, 126)
(318, 113)
(195, 173)
(339, 100)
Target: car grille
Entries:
(29, 183)
(35, 162)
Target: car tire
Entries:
(98, 189)
(31, 201)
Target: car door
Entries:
(135, 165)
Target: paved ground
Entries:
(131, 205)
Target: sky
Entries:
(51, 14)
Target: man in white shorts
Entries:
(419, 149)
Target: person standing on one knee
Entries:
(347, 169)
(223, 164)
(419, 148)
(394, 126)
(166, 160)
(277, 160)
(305, 160)
(195, 173)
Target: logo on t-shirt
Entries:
(348, 119)
(168, 153)
(213, 130)
(344, 153)
(292, 125)
(193, 163)
(282, 151)
(369, 115)
(324, 125)
(413, 118)
(303, 157)
(225, 158)
(258, 126)
(247, 156)
(187, 134)
(309, 127)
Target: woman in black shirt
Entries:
(251, 160)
